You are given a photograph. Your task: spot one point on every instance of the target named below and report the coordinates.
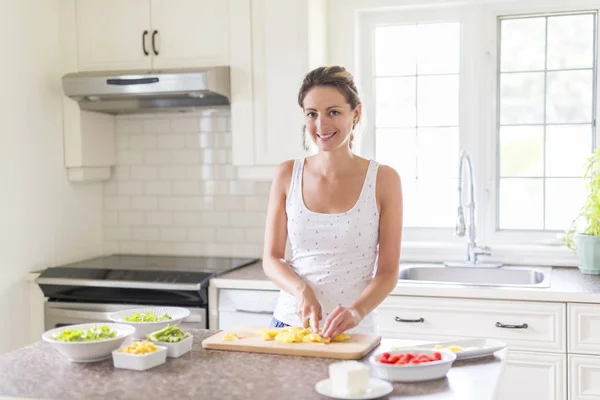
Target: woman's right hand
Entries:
(308, 307)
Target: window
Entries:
(416, 84)
(514, 87)
(546, 115)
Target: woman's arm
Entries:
(389, 191)
(274, 264)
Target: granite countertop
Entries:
(566, 285)
(39, 371)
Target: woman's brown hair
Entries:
(334, 76)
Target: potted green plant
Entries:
(584, 234)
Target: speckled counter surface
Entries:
(38, 371)
(566, 285)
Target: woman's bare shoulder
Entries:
(388, 179)
(283, 175)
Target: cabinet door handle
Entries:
(398, 319)
(154, 33)
(144, 43)
(501, 325)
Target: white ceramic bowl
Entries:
(142, 329)
(95, 350)
(176, 349)
(139, 362)
(414, 372)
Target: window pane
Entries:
(438, 152)
(434, 213)
(564, 197)
(398, 149)
(395, 50)
(571, 41)
(569, 96)
(522, 44)
(395, 102)
(438, 48)
(409, 199)
(522, 98)
(437, 100)
(522, 151)
(567, 148)
(521, 203)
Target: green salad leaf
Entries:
(83, 335)
(147, 317)
(171, 334)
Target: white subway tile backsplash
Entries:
(171, 172)
(110, 218)
(173, 234)
(171, 141)
(130, 188)
(130, 247)
(230, 235)
(145, 233)
(184, 125)
(186, 188)
(158, 188)
(118, 233)
(159, 218)
(202, 234)
(129, 157)
(175, 192)
(229, 203)
(172, 203)
(144, 203)
(156, 125)
(131, 218)
(156, 157)
(144, 173)
(142, 142)
(128, 126)
(116, 203)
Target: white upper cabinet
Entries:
(190, 33)
(273, 45)
(111, 34)
(151, 34)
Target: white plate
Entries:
(142, 329)
(377, 388)
(483, 347)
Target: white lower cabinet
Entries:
(584, 377)
(533, 376)
(239, 308)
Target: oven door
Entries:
(57, 314)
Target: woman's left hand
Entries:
(340, 320)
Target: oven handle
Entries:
(96, 315)
(117, 284)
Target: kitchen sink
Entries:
(520, 276)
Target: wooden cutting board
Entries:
(354, 348)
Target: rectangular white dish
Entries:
(140, 362)
(177, 349)
(473, 348)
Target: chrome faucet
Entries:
(473, 250)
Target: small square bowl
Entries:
(414, 372)
(140, 362)
(176, 349)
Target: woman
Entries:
(342, 214)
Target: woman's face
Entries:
(329, 117)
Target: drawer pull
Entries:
(398, 319)
(522, 326)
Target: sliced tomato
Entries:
(437, 356)
(394, 359)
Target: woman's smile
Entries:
(325, 137)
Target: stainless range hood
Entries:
(137, 92)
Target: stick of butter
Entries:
(349, 378)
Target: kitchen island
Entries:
(39, 371)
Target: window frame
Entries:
(478, 85)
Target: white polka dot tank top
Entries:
(336, 254)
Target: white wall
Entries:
(175, 190)
(44, 220)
